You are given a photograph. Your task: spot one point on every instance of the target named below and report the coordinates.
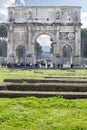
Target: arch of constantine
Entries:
(61, 23)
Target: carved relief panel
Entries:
(23, 15)
(29, 14)
(66, 36)
(71, 36)
(58, 14)
(11, 16)
(63, 35)
(17, 14)
(76, 15)
(20, 37)
(67, 16)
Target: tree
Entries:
(3, 42)
(84, 42)
(3, 48)
(3, 30)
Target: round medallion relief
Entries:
(70, 36)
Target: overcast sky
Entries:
(83, 3)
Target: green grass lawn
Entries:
(42, 113)
(39, 73)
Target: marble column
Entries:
(77, 55)
(10, 55)
(30, 52)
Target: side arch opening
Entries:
(20, 53)
(67, 55)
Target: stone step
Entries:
(67, 88)
(66, 77)
(68, 95)
(3, 86)
(73, 87)
(49, 80)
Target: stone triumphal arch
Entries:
(61, 23)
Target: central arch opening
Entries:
(44, 49)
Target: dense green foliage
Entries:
(84, 42)
(3, 48)
(3, 42)
(3, 30)
(43, 114)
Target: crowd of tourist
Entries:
(30, 65)
(26, 65)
